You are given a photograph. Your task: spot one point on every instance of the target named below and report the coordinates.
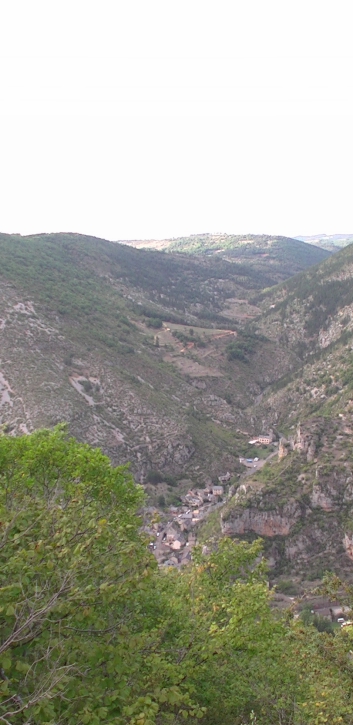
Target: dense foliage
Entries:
(286, 253)
(244, 346)
(92, 632)
(81, 276)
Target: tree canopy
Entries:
(91, 631)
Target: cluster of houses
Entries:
(172, 543)
(210, 494)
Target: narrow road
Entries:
(258, 464)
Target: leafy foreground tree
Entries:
(92, 632)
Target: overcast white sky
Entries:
(132, 119)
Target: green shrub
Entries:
(154, 322)
(286, 586)
(154, 477)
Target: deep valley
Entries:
(174, 360)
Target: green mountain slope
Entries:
(312, 310)
(72, 272)
(141, 352)
(279, 257)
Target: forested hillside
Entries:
(281, 257)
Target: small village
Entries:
(172, 541)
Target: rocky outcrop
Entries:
(307, 439)
(335, 327)
(348, 545)
(301, 508)
(177, 454)
(283, 448)
(307, 543)
(276, 522)
(321, 499)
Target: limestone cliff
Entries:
(302, 507)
